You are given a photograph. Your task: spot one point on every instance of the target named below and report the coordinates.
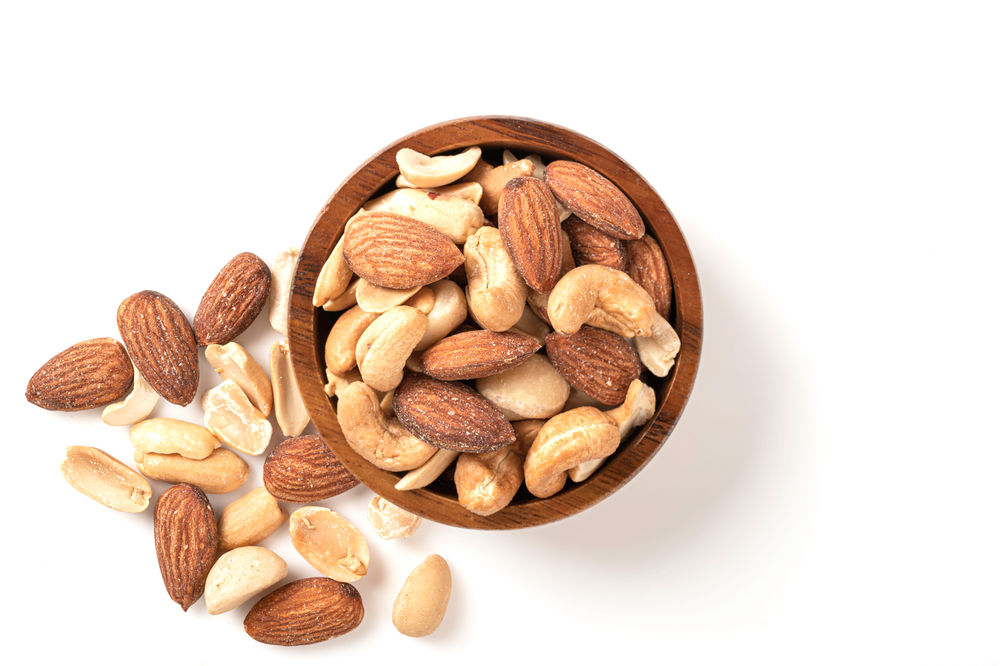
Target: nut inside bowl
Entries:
(309, 326)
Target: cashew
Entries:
(379, 202)
(389, 521)
(136, 406)
(487, 482)
(565, 441)
(289, 410)
(334, 277)
(419, 170)
(450, 309)
(337, 384)
(281, 289)
(638, 408)
(602, 297)
(471, 192)
(345, 300)
(233, 362)
(385, 345)
(496, 292)
(532, 390)
(328, 542)
(456, 218)
(531, 325)
(343, 339)
(383, 442)
(426, 474)
(231, 418)
(658, 351)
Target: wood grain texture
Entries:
(308, 326)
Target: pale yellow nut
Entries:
(136, 406)
(234, 362)
(337, 384)
(496, 291)
(385, 345)
(329, 543)
(601, 297)
(658, 351)
(375, 299)
(423, 300)
(220, 473)
(239, 575)
(334, 276)
(422, 601)
(383, 442)
(348, 299)
(391, 522)
(487, 482)
(250, 519)
(343, 339)
(493, 181)
(173, 436)
(638, 408)
(281, 289)
(419, 170)
(426, 474)
(105, 479)
(532, 390)
(455, 217)
(231, 418)
(531, 325)
(449, 311)
(290, 411)
(565, 441)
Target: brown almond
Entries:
(304, 469)
(186, 537)
(648, 268)
(600, 363)
(529, 225)
(398, 252)
(450, 415)
(476, 354)
(591, 246)
(594, 199)
(306, 611)
(233, 300)
(162, 345)
(89, 374)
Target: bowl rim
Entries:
(517, 134)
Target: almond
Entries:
(186, 537)
(591, 246)
(594, 199)
(648, 268)
(161, 343)
(476, 354)
(600, 363)
(450, 415)
(233, 300)
(304, 469)
(529, 224)
(89, 374)
(306, 611)
(398, 252)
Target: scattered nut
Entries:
(89, 374)
(496, 291)
(173, 436)
(328, 542)
(136, 406)
(391, 522)
(419, 170)
(281, 289)
(233, 300)
(240, 575)
(421, 604)
(304, 469)
(249, 520)
(105, 479)
(532, 390)
(186, 539)
(290, 411)
(218, 474)
(231, 418)
(233, 362)
(305, 612)
(385, 345)
(383, 442)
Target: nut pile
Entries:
(497, 320)
(201, 554)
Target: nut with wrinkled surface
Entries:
(231, 418)
(594, 199)
(591, 246)
(539, 302)
(476, 354)
(305, 612)
(449, 311)
(233, 300)
(659, 350)
(421, 604)
(173, 436)
(391, 522)
(184, 532)
(648, 267)
(218, 474)
(343, 340)
(290, 411)
(601, 297)
(383, 442)
(240, 575)
(136, 406)
(385, 345)
(105, 479)
(496, 291)
(249, 520)
(529, 225)
(233, 362)
(89, 374)
(419, 170)
(532, 390)
(329, 543)
(487, 482)
(600, 363)
(304, 469)
(281, 289)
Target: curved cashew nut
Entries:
(419, 170)
(487, 482)
(658, 351)
(136, 406)
(455, 217)
(496, 291)
(450, 309)
(385, 345)
(601, 297)
(343, 339)
(565, 441)
(638, 408)
(383, 442)
(337, 384)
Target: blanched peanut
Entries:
(532, 390)
(173, 436)
(328, 542)
(450, 310)
(106, 480)
(421, 604)
(250, 519)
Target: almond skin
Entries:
(528, 220)
(476, 354)
(306, 611)
(186, 536)
(450, 415)
(591, 246)
(233, 300)
(398, 252)
(594, 199)
(304, 469)
(93, 373)
(648, 268)
(162, 345)
(600, 363)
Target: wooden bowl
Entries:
(309, 326)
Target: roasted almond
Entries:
(648, 268)
(186, 537)
(306, 611)
(529, 224)
(594, 199)
(476, 354)
(398, 252)
(161, 343)
(591, 246)
(304, 469)
(233, 300)
(600, 363)
(450, 415)
(89, 374)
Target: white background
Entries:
(831, 493)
